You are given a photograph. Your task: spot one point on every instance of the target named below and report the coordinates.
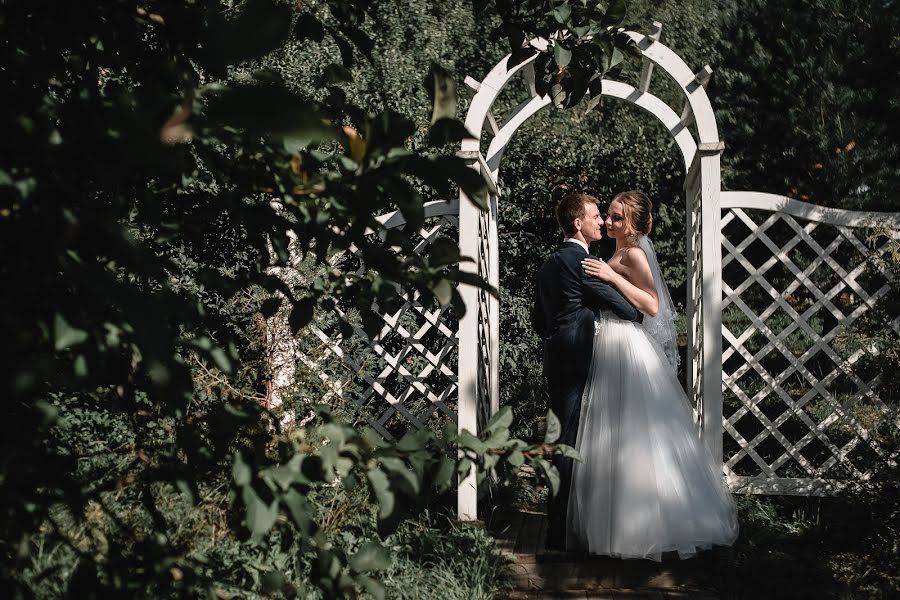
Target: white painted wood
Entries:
(702, 77)
(477, 378)
(476, 382)
(678, 70)
(646, 64)
(841, 222)
(711, 314)
(469, 359)
(811, 212)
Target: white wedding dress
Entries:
(647, 484)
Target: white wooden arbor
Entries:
(786, 398)
(478, 372)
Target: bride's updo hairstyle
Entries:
(637, 208)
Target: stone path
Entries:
(540, 573)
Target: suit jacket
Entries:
(563, 315)
(565, 292)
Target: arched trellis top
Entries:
(478, 369)
(697, 107)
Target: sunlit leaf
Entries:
(66, 335)
(240, 470)
(562, 54)
(260, 515)
(554, 429)
(443, 291)
(502, 419)
(371, 556)
(441, 88)
(382, 488)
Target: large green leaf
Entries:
(241, 472)
(443, 291)
(549, 474)
(562, 54)
(441, 88)
(616, 13)
(561, 12)
(553, 428)
(260, 27)
(266, 110)
(66, 335)
(308, 27)
(300, 510)
(383, 493)
(301, 313)
(260, 514)
(371, 556)
(373, 587)
(399, 468)
(502, 419)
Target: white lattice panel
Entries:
(798, 415)
(405, 374)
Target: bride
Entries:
(647, 484)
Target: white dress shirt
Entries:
(579, 242)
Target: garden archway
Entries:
(478, 375)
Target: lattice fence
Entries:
(403, 377)
(800, 411)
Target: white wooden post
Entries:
(469, 357)
(711, 315)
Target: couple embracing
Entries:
(646, 483)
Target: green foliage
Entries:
(453, 562)
(152, 173)
(815, 72)
(588, 43)
(873, 332)
(156, 158)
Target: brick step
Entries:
(540, 573)
(529, 572)
(619, 594)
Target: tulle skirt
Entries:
(647, 484)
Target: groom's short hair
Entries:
(571, 207)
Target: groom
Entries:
(563, 315)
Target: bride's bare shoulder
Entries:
(634, 257)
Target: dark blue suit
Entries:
(563, 315)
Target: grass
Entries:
(436, 557)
